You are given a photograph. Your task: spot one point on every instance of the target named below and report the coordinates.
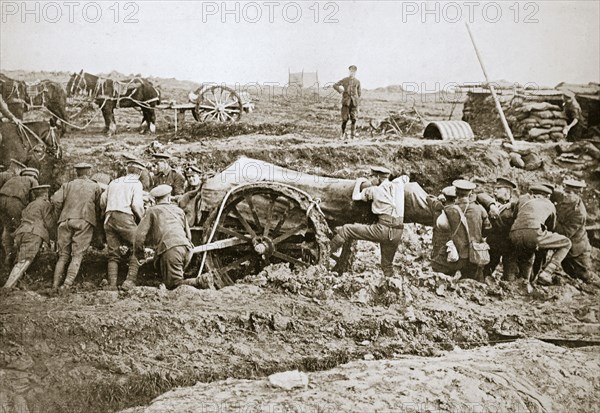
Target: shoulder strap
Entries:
(463, 221)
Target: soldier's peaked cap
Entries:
(30, 171)
(449, 191)
(505, 183)
(40, 188)
(548, 185)
(380, 170)
(83, 165)
(190, 170)
(161, 156)
(464, 184)
(21, 164)
(136, 163)
(129, 156)
(540, 188)
(160, 191)
(573, 183)
(352, 67)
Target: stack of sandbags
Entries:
(538, 121)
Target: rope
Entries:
(72, 124)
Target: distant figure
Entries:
(349, 87)
(574, 130)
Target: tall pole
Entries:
(492, 89)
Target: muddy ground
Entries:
(96, 351)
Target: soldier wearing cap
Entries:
(500, 209)
(349, 87)
(145, 175)
(14, 169)
(38, 225)
(387, 199)
(14, 197)
(123, 204)
(441, 228)
(463, 211)
(165, 175)
(535, 219)
(574, 129)
(166, 230)
(571, 217)
(190, 200)
(77, 203)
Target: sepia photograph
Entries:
(299, 206)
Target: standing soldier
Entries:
(501, 214)
(535, 219)
(441, 228)
(571, 217)
(14, 197)
(468, 223)
(78, 203)
(349, 87)
(165, 228)
(38, 225)
(165, 175)
(124, 205)
(388, 204)
(574, 130)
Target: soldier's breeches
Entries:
(74, 237)
(28, 246)
(172, 264)
(349, 112)
(120, 230)
(388, 238)
(556, 242)
(578, 267)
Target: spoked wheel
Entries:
(219, 104)
(271, 223)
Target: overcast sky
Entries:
(391, 42)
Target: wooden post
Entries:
(492, 89)
(176, 116)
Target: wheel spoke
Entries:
(233, 233)
(243, 221)
(228, 115)
(288, 234)
(282, 219)
(289, 259)
(269, 214)
(253, 210)
(207, 107)
(233, 103)
(236, 263)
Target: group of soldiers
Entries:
(533, 235)
(122, 210)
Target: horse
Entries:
(14, 93)
(36, 144)
(22, 96)
(110, 94)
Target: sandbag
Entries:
(546, 114)
(556, 136)
(560, 122)
(547, 123)
(557, 129)
(516, 160)
(559, 114)
(539, 106)
(536, 132)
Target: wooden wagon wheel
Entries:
(277, 223)
(219, 104)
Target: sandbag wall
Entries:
(529, 118)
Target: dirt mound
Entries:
(520, 376)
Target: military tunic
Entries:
(172, 178)
(165, 228)
(79, 204)
(571, 217)
(14, 197)
(38, 225)
(573, 111)
(350, 97)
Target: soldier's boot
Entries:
(59, 271)
(336, 243)
(353, 134)
(131, 280)
(190, 281)
(16, 273)
(111, 274)
(546, 276)
(72, 271)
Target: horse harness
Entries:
(102, 90)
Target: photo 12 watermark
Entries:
(69, 11)
(470, 11)
(270, 11)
